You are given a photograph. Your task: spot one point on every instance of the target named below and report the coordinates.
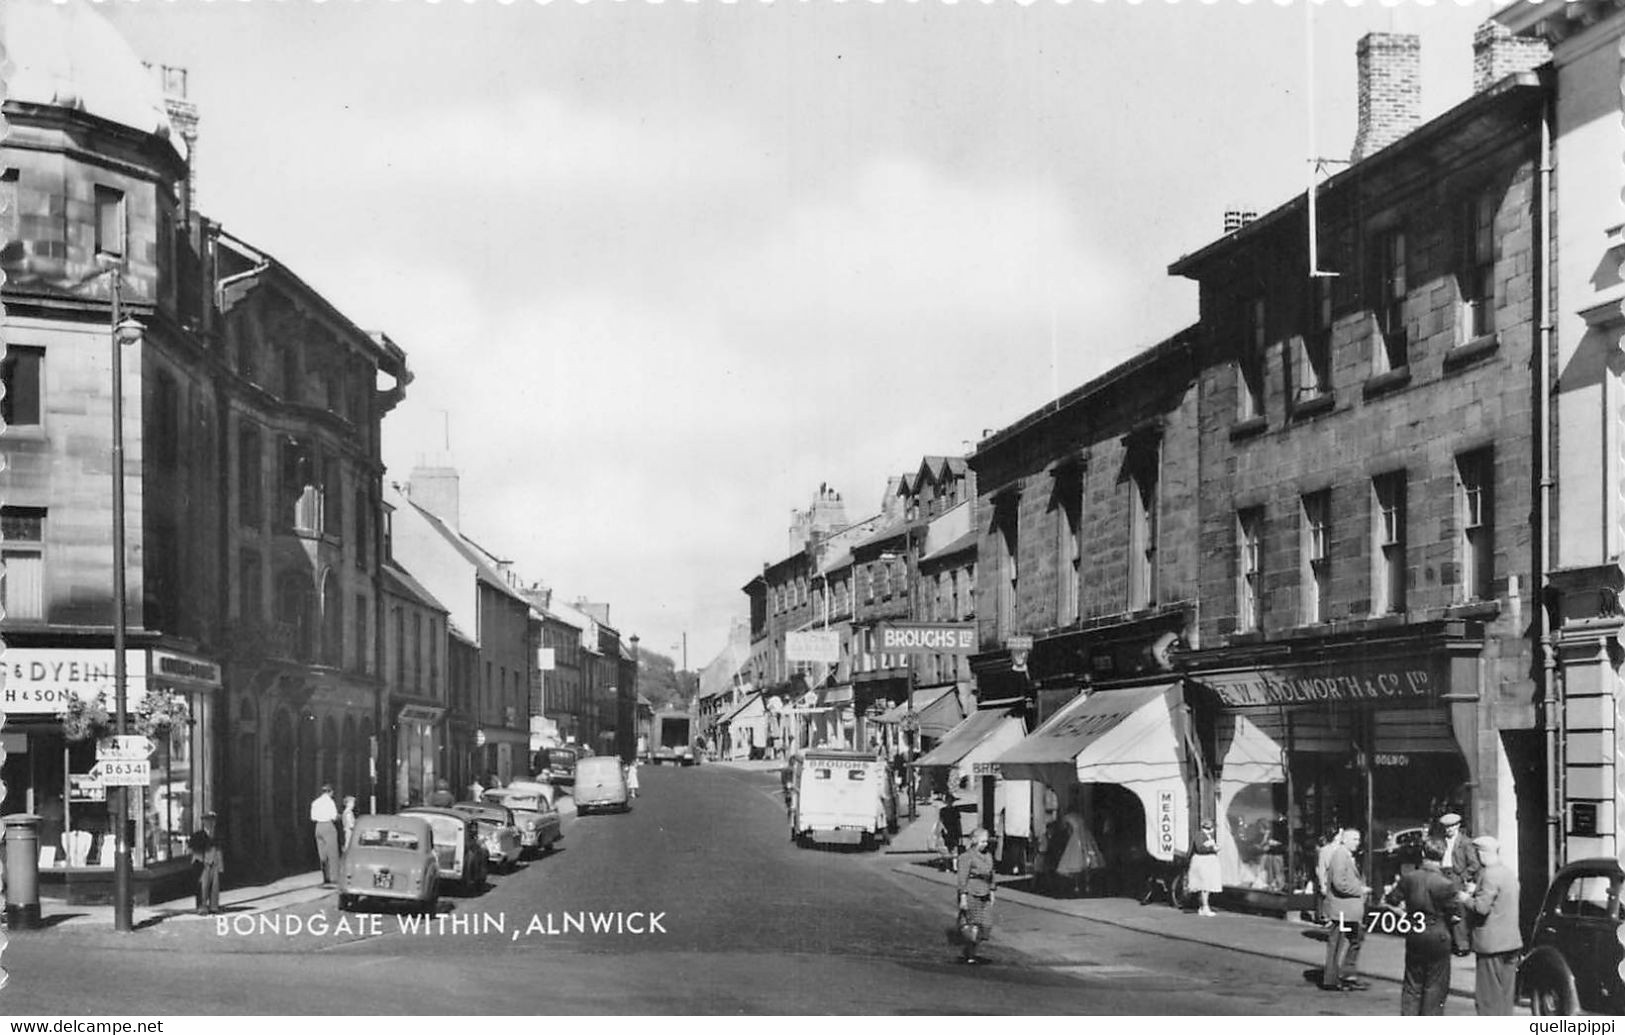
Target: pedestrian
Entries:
(953, 831)
(1427, 901)
(441, 797)
(1343, 905)
(1204, 877)
(632, 778)
(976, 886)
(208, 863)
(347, 820)
(323, 814)
(1493, 902)
(1461, 864)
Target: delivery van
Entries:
(841, 797)
(601, 784)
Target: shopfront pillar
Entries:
(1591, 799)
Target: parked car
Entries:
(534, 815)
(557, 765)
(601, 784)
(1574, 954)
(391, 857)
(498, 832)
(458, 849)
(541, 790)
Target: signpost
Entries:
(130, 747)
(122, 773)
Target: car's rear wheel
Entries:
(1551, 990)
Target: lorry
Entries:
(841, 797)
(671, 739)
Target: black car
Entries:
(1574, 954)
(556, 765)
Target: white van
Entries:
(841, 797)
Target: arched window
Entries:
(332, 621)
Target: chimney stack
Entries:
(1390, 70)
(437, 490)
(1238, 216)
(183, 117)
(1497, 53)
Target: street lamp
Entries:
(123, 332)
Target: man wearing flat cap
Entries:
(1461, 865)
(1493, 903)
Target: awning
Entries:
(964, 737)
(937, 709)
(1124, 737)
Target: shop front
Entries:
(418, 751)
(1004, 807)
(1301, 751)
(1113, 765)
(59, 704)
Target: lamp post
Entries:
(122, 332)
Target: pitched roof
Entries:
(399, 581)
(484, 569)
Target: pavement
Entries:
(1289, 940)
(283, 893)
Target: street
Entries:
(739, 921)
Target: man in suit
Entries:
(1343, 905)
(1493, 902)
(1461, 864)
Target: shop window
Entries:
(1068, 545)
(1388, 543)
(1474, 492)
(1315, 566)
(178, 785)
(1388, 289)
(1145, 461)
(1311, 367)
(1477, 279)
(23, 372)
(251, 587)
(1006, 532)
(1249, 568)
(22, 550)
(250, 476)
(1250, 361)
(110, 223)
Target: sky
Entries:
(662, 269)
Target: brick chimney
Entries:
(1390, 69)
(1497, 53)
(183, 117)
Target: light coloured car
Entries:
(391, 857)
(458, 849)
(601, 784)
(497, 832)
(534, 815)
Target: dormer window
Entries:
(1391, 351)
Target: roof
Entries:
(484, 570)
(67, 55)
(399, 582)
(889, 532)
(1475, 115)
(968, 541)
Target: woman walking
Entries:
(1204, 874)
(1426, 898)
(976, 884)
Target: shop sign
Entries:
(985, 769)
(184, 671)
(1387, 680)
(1165, 823)
(420, 713)
(82, 787)
(819, 645)
(41, 681)
(926, 638)
(1390, 760)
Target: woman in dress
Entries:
(1204, 875)
(347, 821)
(976, 884)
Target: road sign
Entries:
(82, 788)
(124, 748)
(122, 773)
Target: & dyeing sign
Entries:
(1392, 679)
(42, 681)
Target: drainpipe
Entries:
(1551, 700)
